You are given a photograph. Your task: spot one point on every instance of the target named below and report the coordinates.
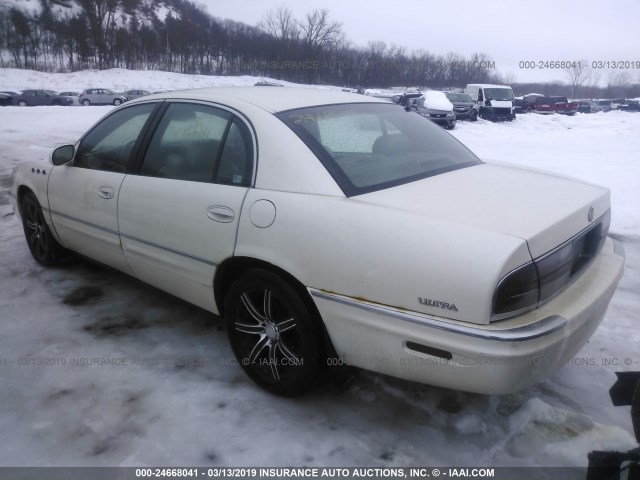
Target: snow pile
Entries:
(437, 101)
(119, 80)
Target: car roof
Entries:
(487, 85)
(269, 99)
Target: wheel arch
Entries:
(232, 268)
(22, 191)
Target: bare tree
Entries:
(578, 74)
(509, 78)
(318, 31)
(279, 23)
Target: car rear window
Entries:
(369, 147)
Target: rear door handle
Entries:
(105, 191)
(221, 214)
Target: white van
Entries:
(495, 102)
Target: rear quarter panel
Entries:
(386, 256)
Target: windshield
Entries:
(498, 93)
(459, 97)
(369, 147)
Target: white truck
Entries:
(494, 102)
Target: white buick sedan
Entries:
(330, 227)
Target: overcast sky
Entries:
(508, 31)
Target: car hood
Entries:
(543, 209)
(463, 104)
(501, 103)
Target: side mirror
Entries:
(63, 154)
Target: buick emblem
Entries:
(590, 214)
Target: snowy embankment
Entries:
(120, 80)
(98, 369)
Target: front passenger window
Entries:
(109, 145)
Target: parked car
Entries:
(564, 106)
(589, 106)
(74, 96)
(131, 94)
(101, 96)
(332, 227)
(519, 105)
(616, 103)
(436, 107)
(539, 104)
(6, 98)
(463, 106)
(605, 104)
(493, 102)
(632, 105)
(34, 98)
(430, 104)
(264, 83)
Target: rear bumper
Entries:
(499, 358)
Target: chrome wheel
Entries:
(267, 333)
(272, 333)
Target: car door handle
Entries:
(221, 214)
(105, 191)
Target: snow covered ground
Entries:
(119, 80)
(97, 369)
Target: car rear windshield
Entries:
(369, 147)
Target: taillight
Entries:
(517, 292)
(537, 282)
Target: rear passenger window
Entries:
(199, 144)
(236, 162)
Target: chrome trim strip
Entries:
(89, 224)
(161, 247)
(130, 237)
(546, 326)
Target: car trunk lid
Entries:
(543, 209)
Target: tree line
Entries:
(71, 35)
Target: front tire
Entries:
(22, 103)
(117, 102)
(273, 334)
(43, 246)
(86, 102)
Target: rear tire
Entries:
(273, 334)
(44, 248)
